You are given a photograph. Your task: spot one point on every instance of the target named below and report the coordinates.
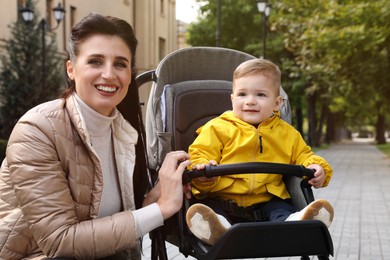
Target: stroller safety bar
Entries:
(252, 167)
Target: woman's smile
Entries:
(107, 89)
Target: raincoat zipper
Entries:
(261, 143)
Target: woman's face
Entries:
(102, 72)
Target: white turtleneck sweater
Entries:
(99, 130)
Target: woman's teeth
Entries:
(106, 89)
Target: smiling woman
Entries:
(75, 166)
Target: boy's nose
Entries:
(251, 100)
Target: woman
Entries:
(67, 185)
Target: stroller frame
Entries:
(170, 125)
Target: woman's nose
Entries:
(108, 73)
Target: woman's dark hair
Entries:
(94, 24)
(130, 106)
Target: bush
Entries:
(3, 147)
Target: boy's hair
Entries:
(261, 66)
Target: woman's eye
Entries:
(121, 65)
(94, 62)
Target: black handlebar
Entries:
(253, 167)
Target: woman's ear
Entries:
(70, 69)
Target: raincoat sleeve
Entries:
(305, 156)
(207, 146)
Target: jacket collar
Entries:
(269, 123)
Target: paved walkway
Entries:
(360, 194)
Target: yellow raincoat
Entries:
(227, 139)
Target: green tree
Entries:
(240, 22)
(21, 85)
(343, 48)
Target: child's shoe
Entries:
(205, 224)
(317, 210)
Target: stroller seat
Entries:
(191, 86)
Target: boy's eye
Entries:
(241, 94)
(261, 95)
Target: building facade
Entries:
(154, 23)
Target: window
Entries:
(161, 48)
(162, 7)
(72, 16)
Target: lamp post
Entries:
(264, 8)
(28, 15)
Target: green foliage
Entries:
(346, 41)
(342, 49)
(241, 27)
(21, 85)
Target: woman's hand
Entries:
(170, 187)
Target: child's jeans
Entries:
(274, 210)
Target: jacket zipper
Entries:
(261, 143)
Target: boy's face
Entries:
(254, 98)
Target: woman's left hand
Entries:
(171, 184)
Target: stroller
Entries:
(191, 86)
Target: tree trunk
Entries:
(311, 114)
(317, 141)
(380, 129)
(330, 128)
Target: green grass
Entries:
(384, 148)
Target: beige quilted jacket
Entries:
(51, 186)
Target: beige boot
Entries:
(317, 210)
(205, 224)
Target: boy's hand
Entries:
(201, 166)
(319, 176)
